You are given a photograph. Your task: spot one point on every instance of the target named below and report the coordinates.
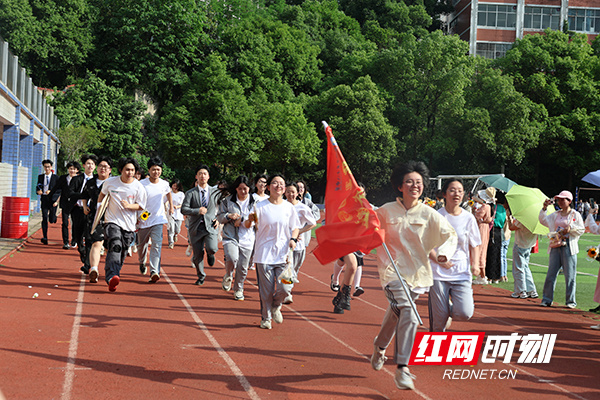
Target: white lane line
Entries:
(232, 365)
(541, 380)
(74, 342)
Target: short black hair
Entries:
(177, 182)
(86, 157)
(154, 161)
(107, 160)
(447, 185)
(47, 162)
(402, 170)
(199, 167)
(128, 160)
(73, 164)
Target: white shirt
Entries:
(306, 217)
(258, 198)
(156, 194)
(177, 201)
(274, 227)
(468, 233)
(86, 178)
(205, 195)
(246, 236)
(132, 192)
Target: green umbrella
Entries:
(525, 205)
(498, 181)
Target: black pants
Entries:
(48, 215)
(79, 227)
(118, 240)
(65, 214)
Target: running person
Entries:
(176, 218)
(277, 227)
(412, 230)
(451, 296)
(127, 197)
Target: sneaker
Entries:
(143, 269)
(93, 275)
(358, 291)
(171, 245)
(596, 327)
(154, 277)
(288, 300)
(515, 295)
(523, 295)
(277, 317)
(73, 245)
(238, 295)
(252, 268)
(404, 379)
(345, 300)
(378, 358)
(226, 285)
(597, 309)
(264, 324)
(334, 286)
(113, 283)
(188, 251)
(199, 282)
(337, 308)
(480, 281)
(533, 294)
(210, 259)
(129, 253)
(66, 246)
(102, 251)
(571, 305)
(134, 248)
(84, 269)
(544, 304)
(175, 239)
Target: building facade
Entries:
(491, 26)
(28, 130)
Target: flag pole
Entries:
(406, 290)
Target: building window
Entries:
(542, 18)
(582, 20)
(492, 50)
(497, 16)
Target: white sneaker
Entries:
(571, 305)
(448, 323)
(288, 300)
(135, 249)
(188, 251)
(596, 327)
(276, 312)
(226, 284)
(533, 294)
(404, 379)
(480, 281)
(93, 275)
(129, 252)
(264, 324)
(238, 295)
(102, 251)
(378, 358)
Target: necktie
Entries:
(204, 198)
(47, 185)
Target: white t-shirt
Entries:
(306, 217)
(132, 192)
(156, 197)
(467, 230)
(274, 227)
(246, 236)
(258, 198)
(177, 201)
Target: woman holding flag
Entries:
(412, 229)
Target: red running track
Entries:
(174, 340)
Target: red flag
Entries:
(350, 222)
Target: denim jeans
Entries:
(503, 261)
(561, 257)
(118, 242)
(521, 272)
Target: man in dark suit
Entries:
(62, 188)
(45, 184)
(200, 205)
(78, 200)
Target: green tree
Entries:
(78, 140)
(365, 137)
(150, 45)
(52, 38)
(103, 108)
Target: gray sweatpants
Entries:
(440, 294)
(236, 259)
(271, 290)
(399, 319)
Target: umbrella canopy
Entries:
(593, 178)
(525, 205)
(498, 181)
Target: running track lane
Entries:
(176, 340)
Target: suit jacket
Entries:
(92, 192)
(75, 189)
(47, 199)
(191, 207)
(62, 189)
